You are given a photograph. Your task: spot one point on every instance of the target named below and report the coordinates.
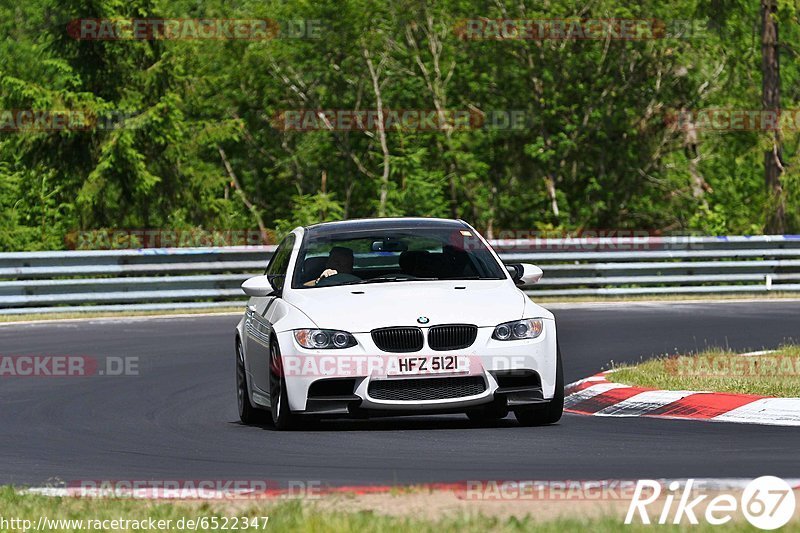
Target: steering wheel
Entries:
(337, 279)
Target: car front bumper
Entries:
(515, 373)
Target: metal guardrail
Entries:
(186, 278)
(133, 280)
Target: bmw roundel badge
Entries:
(423, 320)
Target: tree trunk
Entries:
(771, 101)
(245, 200)
(376, 86)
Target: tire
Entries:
(282, 416)
(247, 413)
(549, 413)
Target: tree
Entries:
(771, 102)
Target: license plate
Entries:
(428, 364)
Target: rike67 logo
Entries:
(767, 503)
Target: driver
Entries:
(338, 269)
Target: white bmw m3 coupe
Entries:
(395, 316)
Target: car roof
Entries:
(382, 224)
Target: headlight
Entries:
(528, 328)
(324, 339)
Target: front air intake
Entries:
(415, 390)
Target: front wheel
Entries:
(282, 416)
(247, 413)
(549, 413)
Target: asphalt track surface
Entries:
(177, 419)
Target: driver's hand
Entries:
(328, 272)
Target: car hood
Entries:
(361, 308)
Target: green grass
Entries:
(291, 516)
(774, 374)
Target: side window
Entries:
(279, 264)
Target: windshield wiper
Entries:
(385, 279)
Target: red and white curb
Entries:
(466, 490)
(597, 396)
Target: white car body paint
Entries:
(359, 309)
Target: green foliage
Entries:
(310, 209)
(595, 150)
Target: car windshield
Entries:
(419, 254)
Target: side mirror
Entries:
(258, 286)
(524, 273)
